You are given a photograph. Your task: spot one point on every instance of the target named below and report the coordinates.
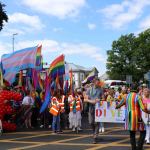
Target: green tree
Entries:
(3, 16)
(129, 56)
(122, 58)
(143, 53)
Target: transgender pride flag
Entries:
(19, 60)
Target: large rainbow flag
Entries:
(57, 67)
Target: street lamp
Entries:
(13, 39)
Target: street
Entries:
(113, 137)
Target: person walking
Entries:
(133, 103)
(146, 101)
(93, 95)
(27, 106)
(55, 111)
(76, 108)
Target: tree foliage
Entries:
(3, 16)
(129, 56)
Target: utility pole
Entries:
(13, 41)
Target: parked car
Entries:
(115, 83)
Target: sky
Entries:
(82, 30)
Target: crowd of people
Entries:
(66, 110)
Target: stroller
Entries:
(1, 128)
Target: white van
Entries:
(114, 83)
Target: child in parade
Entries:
(76, 108)
(110, 96)
(122, 94)
(55, 111)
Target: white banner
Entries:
(106, 112)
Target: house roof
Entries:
(104, 76)
(75, 67)
(79, 68)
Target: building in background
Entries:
(104, 77)
(80, 73)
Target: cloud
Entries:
(22, 23)
(31, 21)
(51, 46)
(9, 31)
(91, 26)
(58, 8)
(120, 15)
(57, 29)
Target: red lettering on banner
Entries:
(98, 112)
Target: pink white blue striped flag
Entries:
(19, 60)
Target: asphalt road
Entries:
(113, 138)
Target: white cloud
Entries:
(58, 8)
(9, 31)
(51, 46)
(47, 45)
(120, 15)
(33, 22)
(21, 23)
(145, 23)
(91, 26)
(57, 29)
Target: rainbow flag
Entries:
(71, 82)
(57, 67)
(40, 81)
(39, 58)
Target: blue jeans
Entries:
(56, 123)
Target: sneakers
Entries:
(103, 130)
(94, 141)
(147, 142)
(79, 129)
(41, 126)
(59, 132)
(100, 130)
(73, 129)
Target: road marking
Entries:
(71, 139)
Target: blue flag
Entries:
(47, 97)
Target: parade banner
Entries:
(106, 112)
